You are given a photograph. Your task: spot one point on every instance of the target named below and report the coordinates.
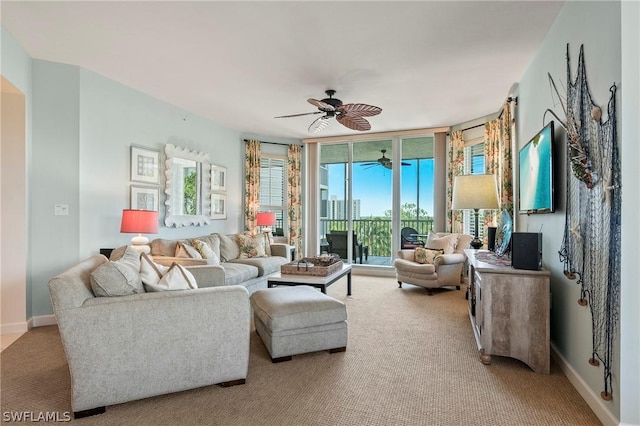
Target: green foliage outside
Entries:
(410, 211)
(190, 193)
(375, 231)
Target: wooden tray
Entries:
(320, 268)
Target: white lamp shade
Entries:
(472, 192)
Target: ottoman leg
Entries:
(281, 359)
(336, 350)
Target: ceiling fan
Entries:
(349, 115)
(383, 161)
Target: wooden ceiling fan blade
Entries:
(320, 123)
(321, 105)
(355, 123)
(298, 115)
(405, 164)
(360, 110)
(370, 164)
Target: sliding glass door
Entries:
(417, 186)
(356, 181)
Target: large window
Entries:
(474, 164)
(356, 192)
(273, 175)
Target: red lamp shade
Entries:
(139, 222)
(266, 219)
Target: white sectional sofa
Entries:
(139, 345)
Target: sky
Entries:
(372, 186)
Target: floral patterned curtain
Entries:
(456, 167)
(252, 185)
(294, 203)
(497, 154)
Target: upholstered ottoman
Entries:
(299, 319)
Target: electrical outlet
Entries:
(61, 209)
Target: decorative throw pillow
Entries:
(117, 253)
(447, 243)
(205, 251)
(118, 278)
(186, 250)
(268, 239)
(228, 248)
(214, 242)
(162, 278)
(424, 255)
(251, 246)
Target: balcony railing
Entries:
(375, 233)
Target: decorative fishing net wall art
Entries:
(591, 250)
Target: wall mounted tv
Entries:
(535, 190)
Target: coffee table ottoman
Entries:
(297, 320)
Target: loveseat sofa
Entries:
(143, 344)
(232, 263)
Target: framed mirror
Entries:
(187, 187)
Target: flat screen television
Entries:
(535, 186)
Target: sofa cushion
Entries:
(265, 265)
(187, 251)
(447, 243)
(412, 269)
(176, 278)
(205, 250)
(251, 246)
(237, 274)
(214, 242)
(425, 255)
(163, 247)
(184, 261)
(118, 278)
(228, 247)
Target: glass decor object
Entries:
(503, 233)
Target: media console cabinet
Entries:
(509, 312)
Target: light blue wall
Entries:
(53, 176)
(596, 25)
(83, 126)
(630, 292)
(15, 66)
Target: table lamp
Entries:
(266, 220)
(139, 222)
(475, 192)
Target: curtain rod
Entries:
(508, 100)
(277, 143)
(472, 127)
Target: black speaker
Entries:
(491, 238)
(526, 250)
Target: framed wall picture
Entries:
(218, 206)
(218, 178)
(145, 165)
(144, 198)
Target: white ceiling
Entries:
(240, 64)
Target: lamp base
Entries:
(477, 243)
(141, 243)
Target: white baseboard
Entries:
(42, 320)
(14, 328)
(594, 401)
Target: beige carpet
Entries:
(411, 360)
